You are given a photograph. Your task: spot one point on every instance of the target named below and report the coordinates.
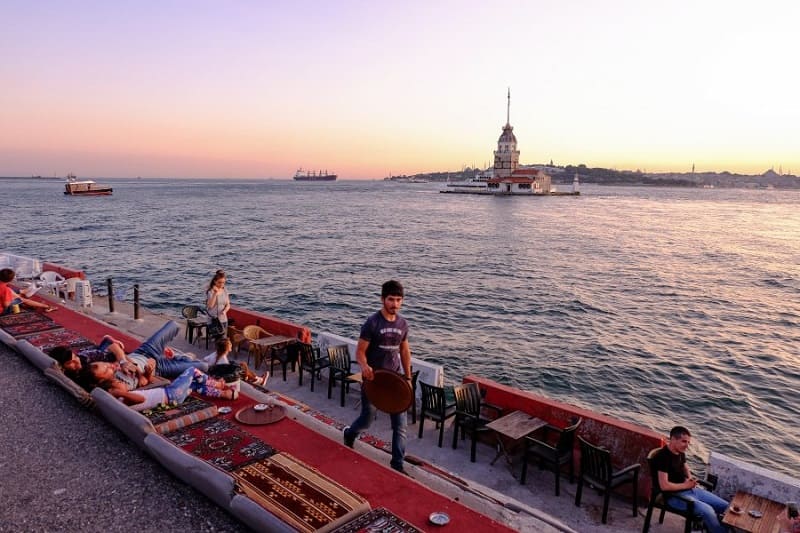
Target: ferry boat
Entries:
(474, 185)
(310, 175)
(75, 187)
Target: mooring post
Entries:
(136, 301)
(110, 295)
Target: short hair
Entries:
(392, 288)
(679, 431)
(6, 275)
(61, 354)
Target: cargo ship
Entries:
(310, 175)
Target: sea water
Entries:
(658, 306)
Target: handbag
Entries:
(215, 328)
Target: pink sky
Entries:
(365, 89)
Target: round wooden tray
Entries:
(389, 391)
(248, 415)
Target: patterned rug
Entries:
(48, 340)
(32, 325)
(24, 317)
(221, 443)
(300, 496)
(167, 419)
(378, 520)
(90, 353)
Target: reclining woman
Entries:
(104, 375)
(220, 357)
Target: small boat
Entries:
(75, 187)
(308, 175)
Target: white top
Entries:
(217, 311)
(211, 359)
(152, 398)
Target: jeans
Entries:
(192, 380)
(154, 349)
(364, 420)
(707, 506)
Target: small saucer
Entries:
(439, 519)
(224, 410)
(754, 513)
(260, 407)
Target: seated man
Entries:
(9, 297)
(674, 478)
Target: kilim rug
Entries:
(20, 318)
(90, 353)
(220, 443)
(41, 323)
(167, 419)
(378, 520)
(299, 495)
(48, 340)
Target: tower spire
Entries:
(508, 108)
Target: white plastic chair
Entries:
(52, 281)
(67, 290)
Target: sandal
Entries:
(262, 380)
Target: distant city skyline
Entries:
(366, 89)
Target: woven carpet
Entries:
(171, 418)
(48, 340)
(378, 520)
(25, 317)
(221, 443)
(33, 325)
(90, 353)
(300, 496)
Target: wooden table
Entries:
(514, 426)
(266, 343)
(767, 523)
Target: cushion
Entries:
(214, 483)
(35, 355)
(55, 375)
(135, 426)
(7, 339)
(258, 518)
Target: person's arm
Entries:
(227, 302)
(405, 358)
(667, 486)
(211, 301)
(361, 359)
(117, 390)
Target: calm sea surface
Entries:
(658, 306)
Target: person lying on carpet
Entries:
(220, 357)
(9, 297)
(103, 375)
(109, 350)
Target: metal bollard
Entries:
(110, 295)
(136, 301)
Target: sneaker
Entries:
(348, 441)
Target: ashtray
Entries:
(439, 518)
(224, 410)
(260, 407)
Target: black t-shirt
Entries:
(673, 464)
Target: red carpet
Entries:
(381, 486)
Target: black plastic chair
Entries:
(657, 499)
(553, 449)
(469, 414)
(340, 369)
(597, 471)
(191, 312)
(284, 355)
(311, 360)
(435, 406)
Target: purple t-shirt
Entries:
(384, 339)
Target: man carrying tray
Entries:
(383, 343)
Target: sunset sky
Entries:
(256, 89)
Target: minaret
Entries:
(506, 157)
